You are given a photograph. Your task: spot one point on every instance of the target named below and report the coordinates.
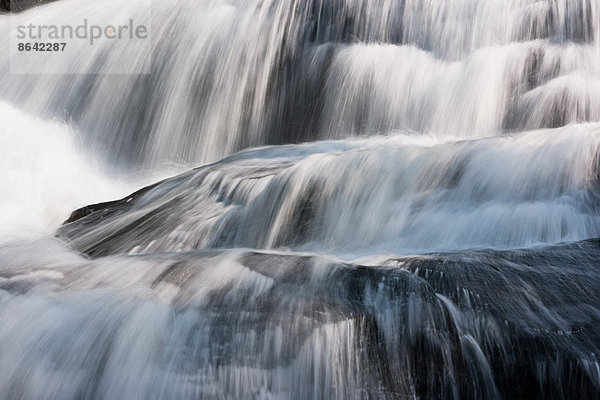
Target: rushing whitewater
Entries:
(389, 199)
(232, 74)
(401, 194)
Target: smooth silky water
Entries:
(328, 199)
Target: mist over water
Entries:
(447, 151)
(44, 175)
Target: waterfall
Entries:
(227, 75)
(304, 199)
(401, 194)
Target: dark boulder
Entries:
(20, 5)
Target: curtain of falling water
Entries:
(233, 74)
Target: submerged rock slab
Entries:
(247, 324)
(401, 195)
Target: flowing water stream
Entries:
(359, 199)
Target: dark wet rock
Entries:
(105, 207)
(21, 5)
(521, 324)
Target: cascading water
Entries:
(232, 74)
(422, 221)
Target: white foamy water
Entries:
(466, 132)
(227, 75)
(45, 174)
